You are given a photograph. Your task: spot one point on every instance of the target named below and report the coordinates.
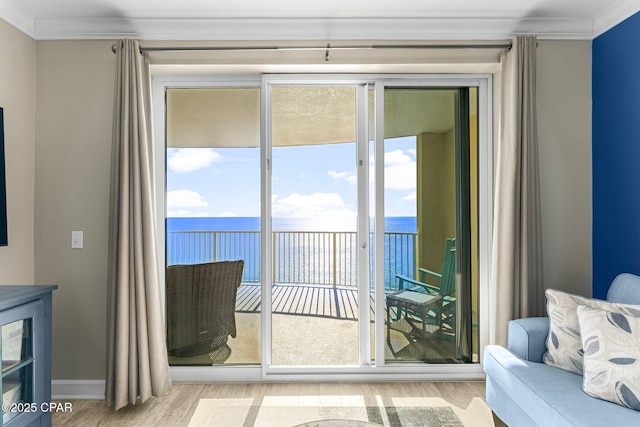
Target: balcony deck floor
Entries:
(320, 303)
(303, 300)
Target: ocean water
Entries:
(306, 251)
(391, 224)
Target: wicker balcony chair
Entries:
(201, 303)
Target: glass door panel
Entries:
(213, 216)
(428, 225)
(314, 288)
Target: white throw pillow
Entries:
(563, 343)
(611, 343)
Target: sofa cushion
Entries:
(527, 338)
(563, 343)
(625, 289)
(526, 393)
(611, 343)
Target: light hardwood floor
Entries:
(178, 408)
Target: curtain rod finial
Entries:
(114, 49)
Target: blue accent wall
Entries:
(616, 153)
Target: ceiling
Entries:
(300, 115)
(314, 20)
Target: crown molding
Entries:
(17, 18)
(312, 28)
(318, 28)
(613, 15)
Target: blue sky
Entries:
(317, 181)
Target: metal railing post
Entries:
(215, 246)
(274, 256)
(335, 259)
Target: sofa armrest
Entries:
(527, 338)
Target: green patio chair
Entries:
(443, 284)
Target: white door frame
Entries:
(367, 370)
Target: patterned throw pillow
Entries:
(611, 343)
(563, 343)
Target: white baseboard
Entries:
(94, 389)
(77, 389)
(440, 372)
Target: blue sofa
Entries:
(523, 391)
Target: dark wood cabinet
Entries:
(25, 345)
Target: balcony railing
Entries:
(301, 257)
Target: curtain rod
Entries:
(327, 48)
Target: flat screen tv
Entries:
(3, 186)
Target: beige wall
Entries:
(564, 134)
(74, 109)
(435, 197)
(17, 83)
(74, 95)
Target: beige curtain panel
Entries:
(137, 365)
(517, 288)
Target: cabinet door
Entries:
(21, 346)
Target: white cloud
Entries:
(185, 213)
(227, 214)
(316, 205)
(184, 160)
(184, 203)
(396, 157)
(411, 196)
(349, 177)
(399, 171)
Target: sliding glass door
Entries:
(429, 230)
(354, 205)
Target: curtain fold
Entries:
(137, 364)
(517, 288)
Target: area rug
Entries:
(339, 411)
